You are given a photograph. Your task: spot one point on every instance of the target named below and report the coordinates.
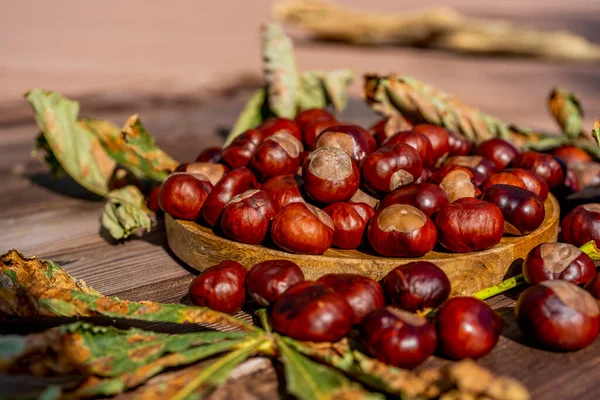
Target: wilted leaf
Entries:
(318, 89)
(567, 111)
(591, 250)
(596, 131)
(41, 145)
(125, 213)
(250, 117)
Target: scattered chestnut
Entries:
(182, 195)
(214, 172)
(311, 132)
(388, 126)
(559, 315)
(438, 137)
(533, 182)
(220, 287)
(397, 337)
(469, 225)
(330, 175)
(503, 178)
(346, 137)
(210, 155)
(401, 230)
(582, 224)
(242, 148)
(389, 168)
(467, 328)
(279, 154)
(233, 183)
(306, 117)
(476, 163)
(498, 151)
(522, 210)
(586, 173)
(363, 294)
(548, 261)
(459, 145)
(302, 228)
(427, 197)
(247, 216)
(416, 286)
(152, 199)
(457, 181)
(417, 141)
(572, 155)
(350, 221)
(275, 126)
(593, 287)
(312, 311)
(267, 280)
(284, 189)
(546, 166)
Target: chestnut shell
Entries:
(220, 287)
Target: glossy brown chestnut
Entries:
(546, 166)
(233, 183)
(593, 287)
(503, 178)
(559, 315)
(417, 141)
(388, 126)
(397, 337)
(427, 197)
(363, 294)
(390, 168)
(330, 175)
(401, 230)
(586, 173)
(469, 225)
(457, 181)
(438, 137)
(284, 189)
(182, 195)
(498, 151)
(279, 154)
(416, 286)
(582, 224)
(312, 311)
(350, 221)
(533, 182)
(214, 172)
(313, 130)
(267, 280)
(548, 261)
(572, 155)
(220, 287)
(467, 328)
(152, 200)
(459, 145)
(425, 175)
(247, 216)
(349, 138)
(302, 228)
(242, 148)
(522, 210)
(476, 163)
(210, 155)
(274, 126)
(307, 117)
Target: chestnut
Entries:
(306, 117)
(438, 136)
(152, 200)
(476, 163)
(210, 155)
(235, 182)
(503, 178)
(182, 195)
(459, 145)
(350, 221)
(214, 172)
(548, 167)
(363, 294)
(457, 181)
(330, 175)
(401, 230)
(242, 148)
(425, 175)
(284, 189)
(548, 261)
(311, 132)
(247, 216)
(417, 141)
(427, 197)
(312, 311)
(572, 155)
(522, 210)
(586, 173)
(302, 228)
(346, 137)
(593, 287)
(469, 225)
(582, 224)
(533, 182)
(267, 280)
(278, 126)
(498, 151)
(388, 126)
(397, 337)
(467, 328)
(389, 168)
(558, 315)
(279, 154)
(220, 287)
(416, 286)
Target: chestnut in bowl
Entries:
(275, 126)
(284, 189)
(467, 328)
(503, 178)
(306, 117)
(388, 126)
(416, 286)
(389, 168)
(558, 315)
(469, 225)
(213, 172)
(582, 224)
(477, 163)
(397, 337)
(439, 138)
(522, 210)
(350, 221)
(457, 181)
(498, 151)
(427, 197)
(572, 155)
(311, 132)
(549, 261)
(417, 141)
(267, 280)
(152, 199)
(302, 228)
(210, 155)
(312, 311)
(363, 294)
(533, 182)
(220, 287)
(550, 168)
(401, 230)
(459, 145)
(349, 138)
(279, 154)
(182, 195)
(242, 148)
(247, 216)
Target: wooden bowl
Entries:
(200, 248)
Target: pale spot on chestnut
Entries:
(573, 296)
(467, 161)
(244, 195)
(340, 140)
(408, 317)
(322, 215)
(458, 184)
(330, 163)
(292, 146)
(592, 207)
(558, 256)
(401, 218)
(400, 178)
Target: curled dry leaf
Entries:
(567, 112)
(126, 213)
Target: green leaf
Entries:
(596, 131)
(318, 89)
(591, 250)
(41, 145)
(250, 117)
(566, 110)
(336, 85)
(125, 213)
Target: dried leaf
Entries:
(125, 213)
(318, 89)
(591, 250)
(41, 145)
(567, 111)
(250, 117)
(596, 131)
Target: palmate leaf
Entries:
(566, 110)
(125, 213)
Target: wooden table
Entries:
(59, 220)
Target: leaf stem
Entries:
(263, 317)
(501, 287)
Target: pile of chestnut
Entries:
(307, 184)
